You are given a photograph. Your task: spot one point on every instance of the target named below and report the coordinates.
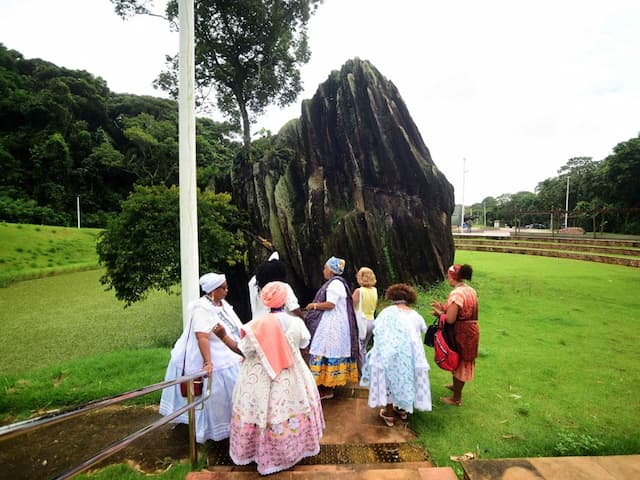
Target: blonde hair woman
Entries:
(365, 301)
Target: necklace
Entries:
(399, 302)
(222, 315)
(213, 302)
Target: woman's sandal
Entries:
(451, 401)
(326, 394)
(401, 413)
(388, 420)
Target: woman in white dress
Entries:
(331, 319)
(197, 348)
(273, 270)
(277, 415)
(397, 370)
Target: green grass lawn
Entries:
(558, 372)
(31, 251)
(559, 365)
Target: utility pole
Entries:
(464, 172)
(484, 211)
(566, 205)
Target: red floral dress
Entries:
(466, 330)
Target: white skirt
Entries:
(212, 421)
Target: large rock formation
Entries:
(352, 178)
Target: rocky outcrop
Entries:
(351, 177)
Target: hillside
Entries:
(31, 251)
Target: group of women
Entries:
(270, 375)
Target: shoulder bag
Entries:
(197, 382)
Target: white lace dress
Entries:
(278, 422)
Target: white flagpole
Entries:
(187, 169)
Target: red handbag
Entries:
(197, 382)
(446, 358)
(197, 387)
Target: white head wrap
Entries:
(210, 281)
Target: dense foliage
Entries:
(140, 247)
(248, 53)
(64, 135)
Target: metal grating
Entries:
(338, 454)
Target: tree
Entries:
(622, 171)
(214, 155)
(249, 51)
(140, 246)
(153, 152)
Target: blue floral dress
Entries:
(397, 370)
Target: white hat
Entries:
(210, 281)
(274, 256)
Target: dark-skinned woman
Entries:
(198, 347)
(335, 347)
(461, 311)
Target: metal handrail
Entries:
(20, 428)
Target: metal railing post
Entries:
(193, 451)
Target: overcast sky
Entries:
(516, 88)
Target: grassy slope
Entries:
(31, 251)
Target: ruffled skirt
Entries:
(213, 420)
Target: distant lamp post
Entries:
(484, 213)
(464, 172)
(566, 205)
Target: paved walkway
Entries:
(358, 446)
(617, 467)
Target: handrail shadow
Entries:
(20, 428)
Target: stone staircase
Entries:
(356, 445)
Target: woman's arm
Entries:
(230, 343)
(436, 308)
(452, 313)
(356, 296)
(321, 306)
(203, 346)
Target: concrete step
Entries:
(615, 467)
(399, 471)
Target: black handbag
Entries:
(429, 337)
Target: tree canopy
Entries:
(64, 134)
(140, 247)
(248, 52)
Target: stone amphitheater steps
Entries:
(614, 252)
